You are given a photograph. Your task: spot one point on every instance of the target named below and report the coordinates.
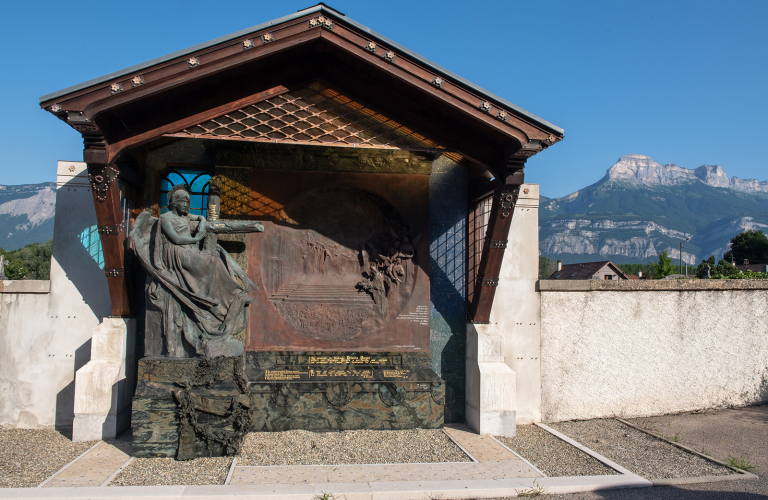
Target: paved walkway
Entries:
(495, 471)
(94, 468)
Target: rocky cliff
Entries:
(26, 214)
(639, 169)
(641, 208)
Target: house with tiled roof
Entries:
(603, 270)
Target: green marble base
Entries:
(188, 408)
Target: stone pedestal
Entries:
(491, 384)
(516, 309)
(503, 357)
(103, 386)
(185, 408)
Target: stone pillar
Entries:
(103, 387)
(491, 384)
(516, 309)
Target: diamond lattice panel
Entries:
(314, 114)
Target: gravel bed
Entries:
(168, 472)
(553, 456)
(349, 447)
(30, 456)
(642, 454)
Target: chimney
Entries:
(559, 265)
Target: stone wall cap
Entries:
(649, 285)
(25, 286)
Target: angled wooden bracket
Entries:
(109, 218)
(497, 232)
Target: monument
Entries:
(302, 233)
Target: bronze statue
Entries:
(192, 295)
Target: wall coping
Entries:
(25, 286)
(687, 285)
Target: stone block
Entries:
(278, 391)
(102, 386)
(491, 384)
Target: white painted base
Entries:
(95, 427)
(497, 423)
(102, 387)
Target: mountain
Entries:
(641, 208)
(26, 214)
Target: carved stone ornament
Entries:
(284, 395)
(389, 56)
(55, 108)
(371, 47)
(502, 115)
(338, 394)
(193, 62)
(266, 38)
(100, 176)
(438, 393)
(116, 87)
(485, 106)
(389, 394)
(248, 44)
(137, 80)
(437, 82)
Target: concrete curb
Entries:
(231, 471)
(395, 490)
(740, 474)
(118, 471)
(702, 479)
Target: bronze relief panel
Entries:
(343, 262)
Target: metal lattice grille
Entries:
(314, 114)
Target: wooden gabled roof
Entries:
(178, 94)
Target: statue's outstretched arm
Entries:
(174, 237)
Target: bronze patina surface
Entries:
(343, 264)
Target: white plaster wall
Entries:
(621, 353)
(45, 337)
(516, 305)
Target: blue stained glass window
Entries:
(196, 180)
(92, 243)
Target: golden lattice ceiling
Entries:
(314, 114)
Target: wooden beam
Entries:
(109, 218)
(494, 246)
(179, 125)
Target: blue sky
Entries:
(681, 82)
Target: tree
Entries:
(664, 267)
(749, 245)
(546, 267)
(33, 262)
(701, 271)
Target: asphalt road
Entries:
(740, 432)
